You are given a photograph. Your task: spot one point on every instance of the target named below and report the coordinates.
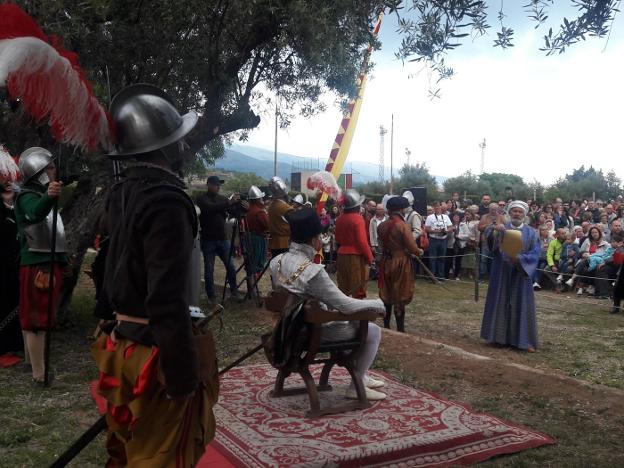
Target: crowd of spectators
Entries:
(581, 240)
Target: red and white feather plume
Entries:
(9, 172)
(48, 81)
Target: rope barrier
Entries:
(450, 256)
(544, 294)
(540, 306)
(538, 269)
(576, 276)
(541, 295)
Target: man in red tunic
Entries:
(354, 254)
(258, 226)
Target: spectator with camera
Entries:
(214, 212)
(438, 226)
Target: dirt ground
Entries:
(571, 389)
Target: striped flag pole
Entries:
(340, 148)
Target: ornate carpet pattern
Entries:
(410, 428)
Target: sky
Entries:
(541, 116)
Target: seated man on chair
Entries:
(296, 272)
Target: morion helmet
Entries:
(410, 196)
(146, 120)
(300, 199)
(352, 199)
(278, 187)
(255, 193)
(32, 164)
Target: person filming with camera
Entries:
(214, 212)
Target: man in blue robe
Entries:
(509, 316)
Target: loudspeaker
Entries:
(420, 199)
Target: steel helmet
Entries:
(352, 198)
(410, 197)
(146, 120)
(300, 199)
(277, 186)
(255, 193)
(33, 162)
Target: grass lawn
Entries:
(575, 393)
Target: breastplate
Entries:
(39, 235)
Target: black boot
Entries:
(387, 316)
(615, 309)
(399, 314)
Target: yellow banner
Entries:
(342, 142)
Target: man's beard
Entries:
(516, 222)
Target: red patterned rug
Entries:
(411, 427)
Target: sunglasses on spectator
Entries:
(502, 204)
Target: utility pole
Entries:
(482, 146)
(407, 154)
(275, 151)
(391, 155)
(382, 145)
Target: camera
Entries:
(237, 210)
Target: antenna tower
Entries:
(382, 141)
(482, 146)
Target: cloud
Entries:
(541, 116)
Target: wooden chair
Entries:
(343, 353)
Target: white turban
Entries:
(518, 204)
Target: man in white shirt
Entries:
(437, 226)
(380, 217)
(296, 272)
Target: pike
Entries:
(430, 274)
(100, 425)
(51, 302)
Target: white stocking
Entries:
(368, 351)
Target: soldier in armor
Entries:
(258, 226)
(159, 381)
(354, 254)
(278, 226)
(412, 217)
(33, 214)
(415, 223)
(299, 201)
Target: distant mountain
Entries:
(236, 161)
(243, 158)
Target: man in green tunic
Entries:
(33, 214)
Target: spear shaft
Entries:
(51, 287)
